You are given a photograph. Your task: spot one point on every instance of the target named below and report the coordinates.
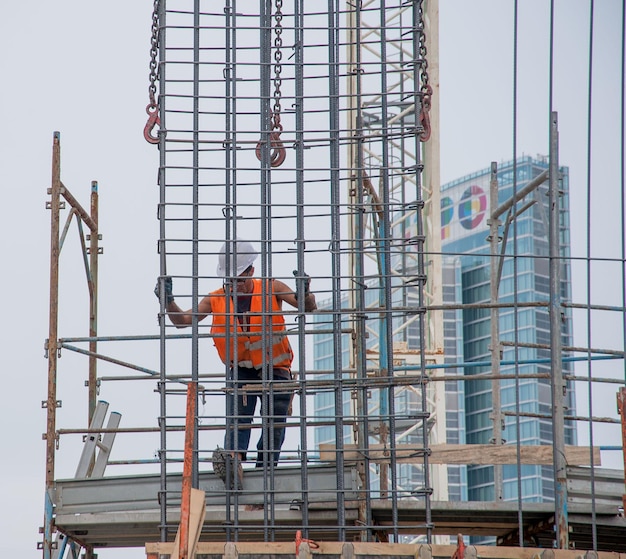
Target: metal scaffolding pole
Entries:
(556, 343)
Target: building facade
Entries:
(524, 333)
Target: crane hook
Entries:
(153, 120)
(278, 154)
(424, 116)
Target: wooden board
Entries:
(380, 549)
(482, 454)
(197, 513)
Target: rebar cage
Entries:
(300, 129)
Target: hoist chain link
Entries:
(154, 51)
(278, 152)
(421, 39)
(278, 55)
(153, 109)
(425, 88)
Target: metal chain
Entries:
(278, 55)
(153, 109)
(278, 152)
(425, 89)
(421, 39)
(154, 51)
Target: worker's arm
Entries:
(179, 317)
(284, 293)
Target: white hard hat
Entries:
(246, 255)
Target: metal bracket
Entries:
(58, 404)
(49, 205)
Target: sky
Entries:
(81, 68)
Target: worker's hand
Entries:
(309, 299)
(306, 281)
(168, 285)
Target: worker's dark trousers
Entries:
(240, 411)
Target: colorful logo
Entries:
(470, 210)
(472, 207)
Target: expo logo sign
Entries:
(470, 211)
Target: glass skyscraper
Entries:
(524, 331)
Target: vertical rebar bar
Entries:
(230, 231)
(420, 65)
(162, 250)
(267, 393)
(356, 227)
(336, 247)
(195, 227)
(301, 248)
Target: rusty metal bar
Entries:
(51, 403)
(190, 437)
(93, 300)
(621, 408)
(79, 209)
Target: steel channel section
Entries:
(102, 505)
(137, 493)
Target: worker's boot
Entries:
(224, 463)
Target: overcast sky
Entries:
(81, 68)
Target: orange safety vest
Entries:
(250, 343)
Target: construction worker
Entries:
(241, 326)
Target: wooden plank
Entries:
(375, 549)
(197, 513)
(196, 520)
(482, 454)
